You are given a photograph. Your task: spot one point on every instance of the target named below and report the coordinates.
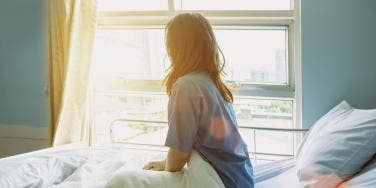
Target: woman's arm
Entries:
(176, 160)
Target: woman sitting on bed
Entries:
(200, 115)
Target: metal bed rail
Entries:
(162, 148)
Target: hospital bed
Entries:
(80, 166)
(76, 165)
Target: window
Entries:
(260, 41)
(234, 5)
(132, 5)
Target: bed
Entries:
(80, 166)
(350, 156)
(76, 165)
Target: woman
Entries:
(200, 115)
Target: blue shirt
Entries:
(199, 118)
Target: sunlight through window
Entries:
(129, 103)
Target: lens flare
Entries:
(220, 128)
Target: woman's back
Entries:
(199, 118)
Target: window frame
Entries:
(290, 19)
(142, 19)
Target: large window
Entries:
(260, 41)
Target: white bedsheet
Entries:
(281, 174)
(198, 173)
(49, 167)
(94, 167)
(287, 179)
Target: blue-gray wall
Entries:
(22, 63)
(338, 55)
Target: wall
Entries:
(338, 55)
(23, 105)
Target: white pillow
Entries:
(365, 178)
(334, 115)
(338, 145)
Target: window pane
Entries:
(234, 4)
(130, 54)
(274, 142)
(268, 142)
(129, 64)
(139, 133)
(119, 84)
(252, 56)
(111, 108)
(252, 112)
(130, 106)
(132, 5)
(265, 113)
(258, 56)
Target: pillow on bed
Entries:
(335, 115)
(365, 178)
(338, 145)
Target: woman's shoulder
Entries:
(191, 81)
(193, 78)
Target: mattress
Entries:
(79, 166)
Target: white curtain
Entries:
(73, 123)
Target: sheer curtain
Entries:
(72, 26)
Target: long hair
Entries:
(192, 47)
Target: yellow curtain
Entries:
(72, 26)
(58, 45)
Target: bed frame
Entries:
(298, 134)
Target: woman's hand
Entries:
(155, 165)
